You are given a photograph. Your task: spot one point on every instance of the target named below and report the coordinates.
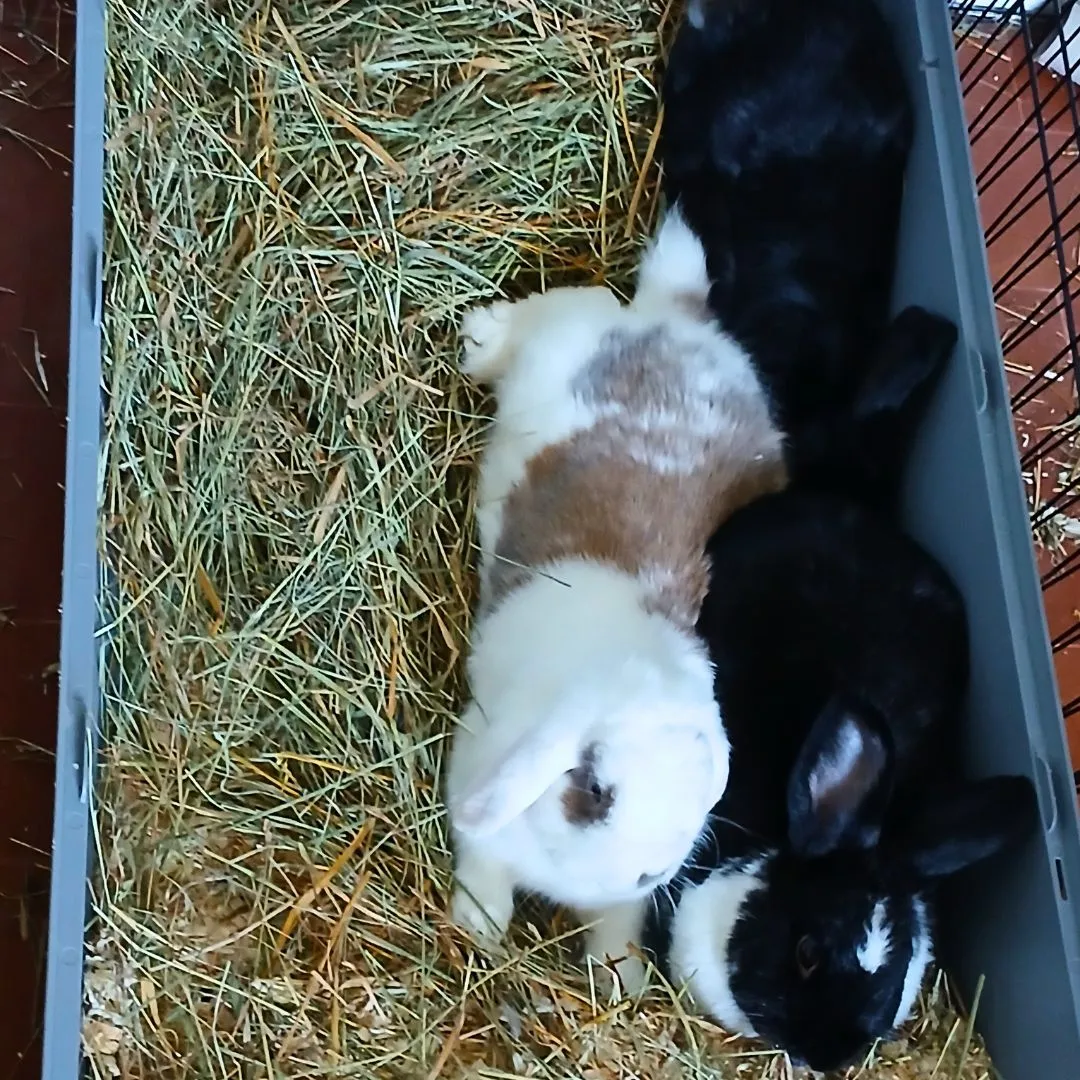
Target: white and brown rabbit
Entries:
(592, 748)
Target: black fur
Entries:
(860, 450)
(786, 135)
(837, 639)
(840, 645)
(818, 607)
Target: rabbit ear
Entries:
(837, 788)
(960, 827)
(909, 360)
(516, 779)
(862, 451)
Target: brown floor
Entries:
(35, 228)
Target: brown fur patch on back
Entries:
(676, 451)
(586, 801)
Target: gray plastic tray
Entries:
(80, 696)
(1017, 923)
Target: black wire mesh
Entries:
(1024, 126)
(35, 51)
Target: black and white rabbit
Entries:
(805, 916)
(785, 138)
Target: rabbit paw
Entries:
(481, 923)
(483, 900)
(611, 945)
(629, 971)
(485, 335)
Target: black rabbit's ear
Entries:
(957, 828)
(839, 784)
(892, 399)
(910, 358)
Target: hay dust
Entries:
(302, 198)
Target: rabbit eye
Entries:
(807, 956)
(587, 801)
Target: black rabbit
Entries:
(785, 139)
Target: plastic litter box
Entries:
(1016, 924)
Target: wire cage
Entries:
(1018, 62)
(34, 56)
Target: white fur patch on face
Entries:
(700, 934)
(834, 770)
(922, 953)
(874, 951)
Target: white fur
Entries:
(674, 266)
(571, 658)
(613, 939)
(532, 349)
(922, 956)
(873, 951)
(483, 901)
(700, 933)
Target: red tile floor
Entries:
(1033, 244)
(35, 226)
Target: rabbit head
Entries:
(822, 956)
(588, 776)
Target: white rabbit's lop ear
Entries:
(515, 780)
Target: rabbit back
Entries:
(786, 133)
(814, 600)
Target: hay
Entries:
(302, 198)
